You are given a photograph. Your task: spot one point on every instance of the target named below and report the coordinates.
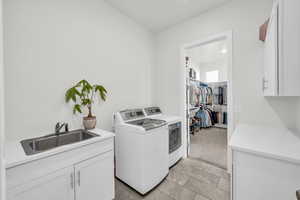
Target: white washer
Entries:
(142, 159)
(174, 130)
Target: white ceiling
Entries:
(157, 15)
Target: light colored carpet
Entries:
(210, 145)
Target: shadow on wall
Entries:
(287, 109)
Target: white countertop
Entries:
(278, 143)
(15, 155)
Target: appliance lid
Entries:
(148, 123)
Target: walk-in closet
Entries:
(207, 96)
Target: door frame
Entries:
(228, 36)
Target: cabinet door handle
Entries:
(78, 178)
(298, 194)
(72, 180)
(264, 84)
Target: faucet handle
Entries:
(57, 125)
(66, 127)
(298, 194)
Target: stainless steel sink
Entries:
(41, 144)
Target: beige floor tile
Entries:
(176, 191)
(200, 187)
(188, 180)
(158, 195)
(200, 197)
(220, 195)
(178, 176)
(210, 145)
(224, 184)
(203, 175)
(213, 169)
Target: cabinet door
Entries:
(270, 80)
(95, 178)
(289, 42)
(262, 178)
(58, 185)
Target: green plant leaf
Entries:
(81, 83)
(86, 102)
(77, 108)
(85, 91)
(68, 95)
(77, 92)
(89, 86)
(71, 94)
(102, 91)
(86, 86)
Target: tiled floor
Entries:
(189, 180)
(210, 145)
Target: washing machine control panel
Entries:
(132, 114)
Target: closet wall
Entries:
(243, 17)
(218, 65)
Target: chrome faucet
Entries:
(59, 126)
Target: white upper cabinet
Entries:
(270, 80)
(282, 50)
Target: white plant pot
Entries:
(89, 122)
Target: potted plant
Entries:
(83, 94)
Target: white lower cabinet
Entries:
(58, 185)
(83, 174)
(257, 177)
(94, 178)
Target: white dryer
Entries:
(174, 130)
(142, 159)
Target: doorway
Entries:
(208, 100)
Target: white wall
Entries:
(2, 168)
(202, 68)
(52, 44)
(243, 17)
(221, 67)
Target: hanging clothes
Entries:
(225, 94)
(212, 100)
(221, 94)
(194, 95)
(224, 117)
(200, 93)
(209, 96)
(205, 116)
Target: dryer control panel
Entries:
(152, 111)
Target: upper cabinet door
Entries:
(270, 80)
(289, 47)
(58, 185)
(95, 178)
(282, 47)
